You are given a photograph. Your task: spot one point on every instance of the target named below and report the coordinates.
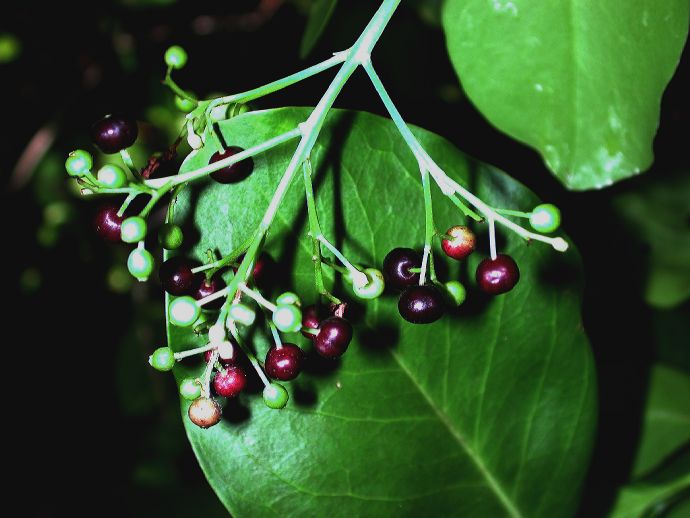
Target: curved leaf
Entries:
(579, 81)
(319, 16)
(488, 412)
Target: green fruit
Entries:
(190, 389)
(183, 311)
(288, 298)
(242, 314)
(133, 229)
(184, 105)
(140, 263)
(79, 162)
(275, 396)
(112, 176)
(374, 286)
(176, 57)
(162, 359)
(545, 218)
(456, 291)
(287, 318)
(170, 236)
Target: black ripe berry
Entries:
(113, 133)
(496, 276)
(421, 304)
(176, 276)
(334, 336)
(284, 363)
(396, 267)
(204, 412)
(233, 173)
(206, 287)
(108, 224)
(229, 381)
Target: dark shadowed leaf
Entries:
(319, 16)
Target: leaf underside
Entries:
(488, 412)
(579, 81)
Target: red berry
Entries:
(107, 223)
(176, 276)
(334, 336)
(396, 267)
(496, 276)
(204, 412)
(209, 287)
(421, 304)
(462, 244)
(232, 173)
(311, 319)
(229, 381)
(285, 363)
(114, 132)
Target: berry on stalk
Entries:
(397, 265)
(229, 381)
(162, 359)
(461, 245)
(208, 287)
(114, 133)
(108, 224)
(421, 304)
(275, 396)
(78, 163)
(170, 236)
(284, 363)
(235, 172)
(497, 276)
(334, 337)
(176, 276)
(204, 412)
(133, 229)
(183, 311)
(545, 218)
(140, 264)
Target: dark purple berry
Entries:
(209, 287)
(229, 381)
(311, 319)
(113, 133)
(396, 267)
(285, 363)
(264, 270)
(108, 224)
(232, 173)
(334, 336)
(496, 276)
(421, 304)
(204, 412)
(176, 276)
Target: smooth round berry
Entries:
(79, 162)
(545, 218)
(162, 359)
(107, 223)
(461, 245)
(184, 105)
(275, 396)
(229, 381)
(242, 314)
(284, 363)
(208, 287)
(114, 133)
(140, 263)
(287, 318)
(170, 236)
(176, 276)
(396, 267)
(204, 412)
(190, 389)
(112, 176)
(133, 229)
(183, 311)
(421, 304)
(288, 298)
(233, 173)
(175, 57)
(496, 276)
(311, 319)
(374, 286)
(334, 336)
(456, 292)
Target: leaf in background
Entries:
(319, 16)
(667, 418)
(579, 81)
(488, 412)
(659, 214)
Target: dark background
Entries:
(94, 425)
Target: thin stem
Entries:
(206, 378)
(214, 296)
(127, 160)
(193, 352)
(170, 83)
(129, 199)
(249, 354)
(429, 228)
(492, 238)
(276, 336)
(358, 278)
(260, 299)
(516, 213)
(464, 208)
(157, 195)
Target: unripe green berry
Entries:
(79, 162)
(170, 236)
(275, 396)
(288, 298)
(190, 389)
(183, 311)
(112, 176)
(133, 229)
(162, 359)
(456, 291)
(176, 57)
(545, 218)
(184, 105)
(140, 264)
(287, 318)
(374, 286)
(242, 314)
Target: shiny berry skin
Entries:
(204, 412)
(162, 359)
(170, 236)
(497, 276)
(209, 287)
(113, 133)
(311, 319)
(396, 267)
(112, 176)
(233, 173)
(176, 276)
(334, 336)
(285, 363)
(229, 381)
(190, 389)
(108, 224)
(140, 264)
(462, 244)
(264, 268)
(421, 304)
(545, 218)
(275, 396)
(183, 311)
(78, 163)
(175, 57)
(133, 229)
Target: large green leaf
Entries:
(580, 81)
(488, 412)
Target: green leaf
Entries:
(667, 418)
(488, 412)
(579, 81)
(319, 16)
